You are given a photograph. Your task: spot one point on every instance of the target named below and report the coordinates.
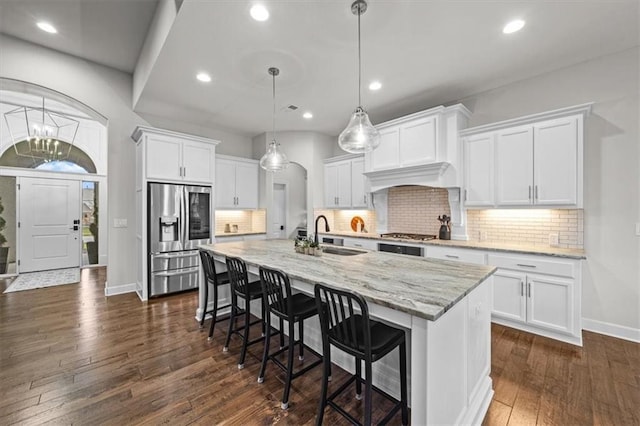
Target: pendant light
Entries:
(274, 159)
(360, 136)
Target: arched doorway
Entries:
(45, 167)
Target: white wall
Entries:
(308, 149)
(109, 92)
(611, 289)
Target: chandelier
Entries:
(41, 134)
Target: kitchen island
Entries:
(443, 305)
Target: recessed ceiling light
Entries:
(259, 12)
(45, 26)
(307, 115)
(375, 85)
(203, 77)
(513, 26)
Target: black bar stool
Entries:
(241, 287)
(293, 308)
(367, 340)
(216, 280)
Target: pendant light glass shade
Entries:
(274, 159)
(360, 136)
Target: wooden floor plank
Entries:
(69, 355)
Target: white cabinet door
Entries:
(459, 255)
(358, 194)
(225, 184)
(556, 162)
(550, 303)
(164, 158)
(418, 142)
(197, 162)
(330, 185)
(479, 172)
(387, 155)
(246, 185)
(514, 167)
(363, 243)
(343, 189)
(509, 300)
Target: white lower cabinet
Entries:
(538, 294)
(363, 243)
(461, 255)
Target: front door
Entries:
(49, 224)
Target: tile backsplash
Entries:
(415, 209)
(247, 220)
(340, 220)
(527, 226)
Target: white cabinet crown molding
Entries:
(584, 109)
(343, 157)
(142, 130)
(427, 112)
(237, 159)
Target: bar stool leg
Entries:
(326, 377)
(368, 393)
(214, 314)
(403, 383)
(245, 339)
(358, 379)
(290, 352)
(281, 333)
(206, 302)
(301, 337)
(265, 354)
(232, 318)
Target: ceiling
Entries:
(425, 53)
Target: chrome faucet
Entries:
(326, 227)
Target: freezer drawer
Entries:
(174, 260)
(165, 282)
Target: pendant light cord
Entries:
(273, 132)
(359, 62)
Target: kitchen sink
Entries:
(341, 251)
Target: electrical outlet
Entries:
(483, 236)
(554, 240)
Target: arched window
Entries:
(77, 161)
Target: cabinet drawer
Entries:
(460, 255)
(534, 264)
(361, 243)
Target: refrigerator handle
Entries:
(183, 216)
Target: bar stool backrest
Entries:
(340, 321)
(276, 289)
(238, 277)
(208, 266)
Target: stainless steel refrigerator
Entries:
(179, 221)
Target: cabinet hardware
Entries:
(536, 192)
(465, 195)
(529, 193)
(529, 290)
(365, 199)
(184, 171)
(521, 288)
(452, 256)
(524, 265)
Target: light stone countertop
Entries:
(426, 288)
(477, 245)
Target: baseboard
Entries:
(119, 289)
(613, 330)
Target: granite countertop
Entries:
(478, 245)
(234, 234)
(426, 288)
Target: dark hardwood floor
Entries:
(69, 355)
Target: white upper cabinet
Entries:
(425, 138)
(236, 183)
(345, 185)
(479, 181)
(556, 154)
(337, 184)
(533, 161)
(514, 166)
(358, 187)
(172, 156)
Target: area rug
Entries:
(32, 280)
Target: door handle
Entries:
(74, 228)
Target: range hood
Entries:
(438, 175)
